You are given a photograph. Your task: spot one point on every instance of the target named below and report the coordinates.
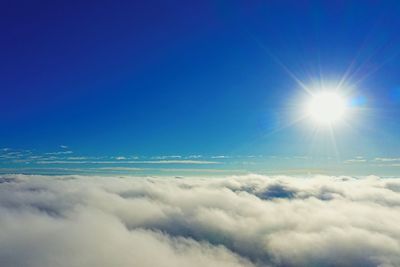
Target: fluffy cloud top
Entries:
(236, 221)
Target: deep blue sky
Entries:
(179, 77)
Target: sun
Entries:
(326, 108)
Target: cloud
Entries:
(237, 221)
(77, 158)
(167, 157)
(220, 157)
(130, 162)
(195, 156)
(60, 152)
(201, 170)
(356, 160)
(120, 169)
(387, 159)
(388, 165)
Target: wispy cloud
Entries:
(388, 165)
(176, 170)
(220, 157)
(167, 157)
(130, 162)
(77, 158)
(60, 152)
(356, 160)
(387, 159)
(120, 169)
(195, 156)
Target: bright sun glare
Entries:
(326, 108)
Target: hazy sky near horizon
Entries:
(212, 85)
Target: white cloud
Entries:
(130, 162)
(77, 158)
(220, 157)
(356, 160)
(387, 159)
(120, 169)
(195, 156)
(238, 221)
(59, 152)
(167, 157)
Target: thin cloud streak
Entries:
(131, 162)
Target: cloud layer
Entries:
(237, 221)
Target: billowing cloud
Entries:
(237, 221)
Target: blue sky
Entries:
(153, 79)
